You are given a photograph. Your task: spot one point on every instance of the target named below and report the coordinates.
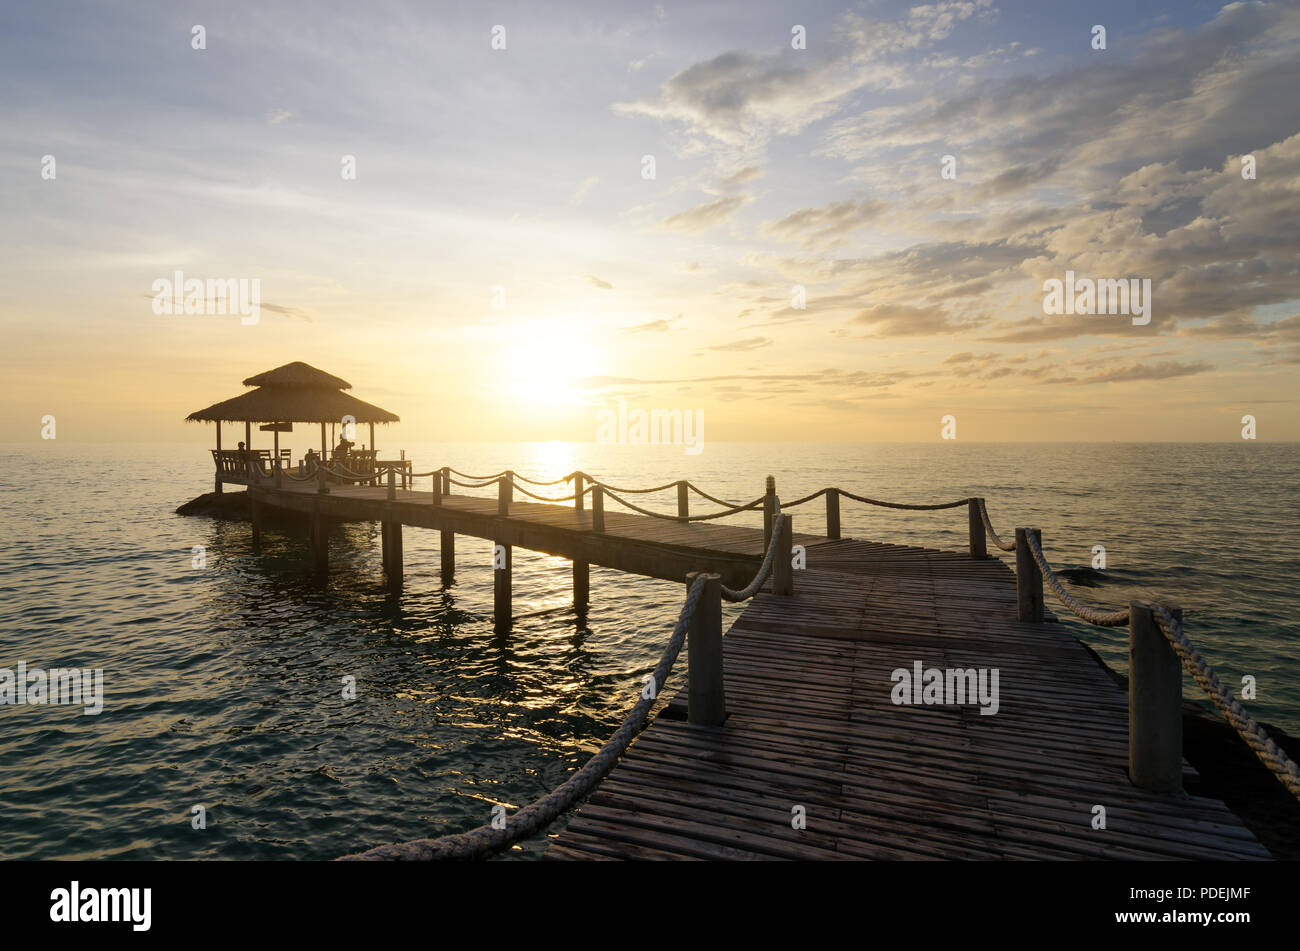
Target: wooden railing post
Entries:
(392, 483)
(978, 547)
(578, 491)
(505, 493)
(706, 694)
(279, 472)
(321, 487)
(446, 481)
(597, 509)
(436, 479)
(832, 513)
(683, 502)
(1155, 703)
(769, 509)
(782, 558)
(1029, 580)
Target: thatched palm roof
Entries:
(294, 393)
(298, 374)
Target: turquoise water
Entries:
(223, 684)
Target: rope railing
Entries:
(988, 527)
(685, 518)
(1091, 615)
(1269, 753)
(1255, 736)
(765, 569)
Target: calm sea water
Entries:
(223, 684)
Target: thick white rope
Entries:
(764, 569)
(1269, 753)
(988, 527)
(1091, 615)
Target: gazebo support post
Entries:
(218, 475)
(323, 456)
(275, 459)
(248, 436)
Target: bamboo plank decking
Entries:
(811, 724)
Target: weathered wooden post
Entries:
(782, 558)
(446, 481)
(279, 472)
(396, 568)
(581, 585)
(505, 493)
(1155, 703)
(321, 487)
(501, 608)
(447, 552)
(1029, 580)
(385, 544)
(436, 481)
(597, 509)
(978, 547)
(769, 509)
(832, 513)
(578, 492)
(706, 693)
(392, 484)
(683, 502)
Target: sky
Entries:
(803, 264)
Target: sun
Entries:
(546, 362)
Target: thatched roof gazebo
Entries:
(293, 393)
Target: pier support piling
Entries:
(392, 545)
(706, 694)
(501, 608)
(447, 552)
(1155, 703)
(581, 585)
(978, 545)
(1029, 580)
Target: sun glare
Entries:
(545, 364)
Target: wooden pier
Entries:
(813, 759)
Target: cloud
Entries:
(708, 215)
(652, 326)
(829, 223)
(584, 188)
(1147, 371)
(742, 177)
(742, 346)
(597, 282)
